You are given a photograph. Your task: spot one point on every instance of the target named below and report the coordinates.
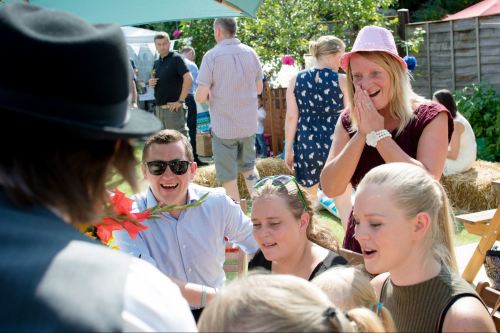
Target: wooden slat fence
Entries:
(457, 53)
(274, 123)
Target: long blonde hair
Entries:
(280, 303)
(317, 232)
(401, 96)
(326, 45)
(349, 287)
(414, 190)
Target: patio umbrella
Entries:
(137, 12)
(483, 8)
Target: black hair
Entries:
(445, 97)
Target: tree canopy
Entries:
(286, 26)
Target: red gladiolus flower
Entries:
(120, 217)
(105, 229)
(121, 203)
(139, 217)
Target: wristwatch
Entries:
(181, 101)
(374, 137)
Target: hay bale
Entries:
(267, 167)
(471, 191)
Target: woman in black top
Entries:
(291, 241)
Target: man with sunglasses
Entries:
(189, 245)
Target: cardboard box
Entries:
(203, 144)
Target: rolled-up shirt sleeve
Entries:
(239, 228)
(206, 68)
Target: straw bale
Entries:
(267, 167)
(471, 191)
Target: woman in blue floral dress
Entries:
(314, 100)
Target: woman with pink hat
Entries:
(384, 122)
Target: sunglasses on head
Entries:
(157, 168)
(282, 180)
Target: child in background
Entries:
(260, 141)
(348, 288)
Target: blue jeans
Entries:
(192, 118)
(260, 145)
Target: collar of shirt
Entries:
(229, 41)
(151, 200)
(168, 55)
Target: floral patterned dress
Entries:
(319, 100)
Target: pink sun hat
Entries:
(373, 38)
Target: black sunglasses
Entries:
(157, 168)
(282, 180)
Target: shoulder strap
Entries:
(451, 301)
(382, 290)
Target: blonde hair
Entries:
(326, 45)
(401, 94)
(280, 303)
(317, 232)
(348, 288)
(414, 191)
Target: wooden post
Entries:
(428, 46)
(452, 52)
(403, 19)
(478, 54)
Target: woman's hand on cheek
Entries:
(369, 118)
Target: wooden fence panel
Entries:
(457, 53)
(274, 124)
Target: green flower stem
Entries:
(155, 211)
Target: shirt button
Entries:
(189, 270)
(183, 246)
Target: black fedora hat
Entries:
(60, 69)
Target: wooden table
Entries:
(487, 225)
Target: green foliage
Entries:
(202, 36)
(480, 104)
(414, 42)
(287, 26)
(168, 27)
(432, 10)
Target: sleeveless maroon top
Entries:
(408, 141)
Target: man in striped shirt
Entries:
(230, 79)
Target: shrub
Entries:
(480, 104)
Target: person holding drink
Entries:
(171, 81)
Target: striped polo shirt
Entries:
(231, 71)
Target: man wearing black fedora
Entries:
(52, 177)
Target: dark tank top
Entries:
(407, 140)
